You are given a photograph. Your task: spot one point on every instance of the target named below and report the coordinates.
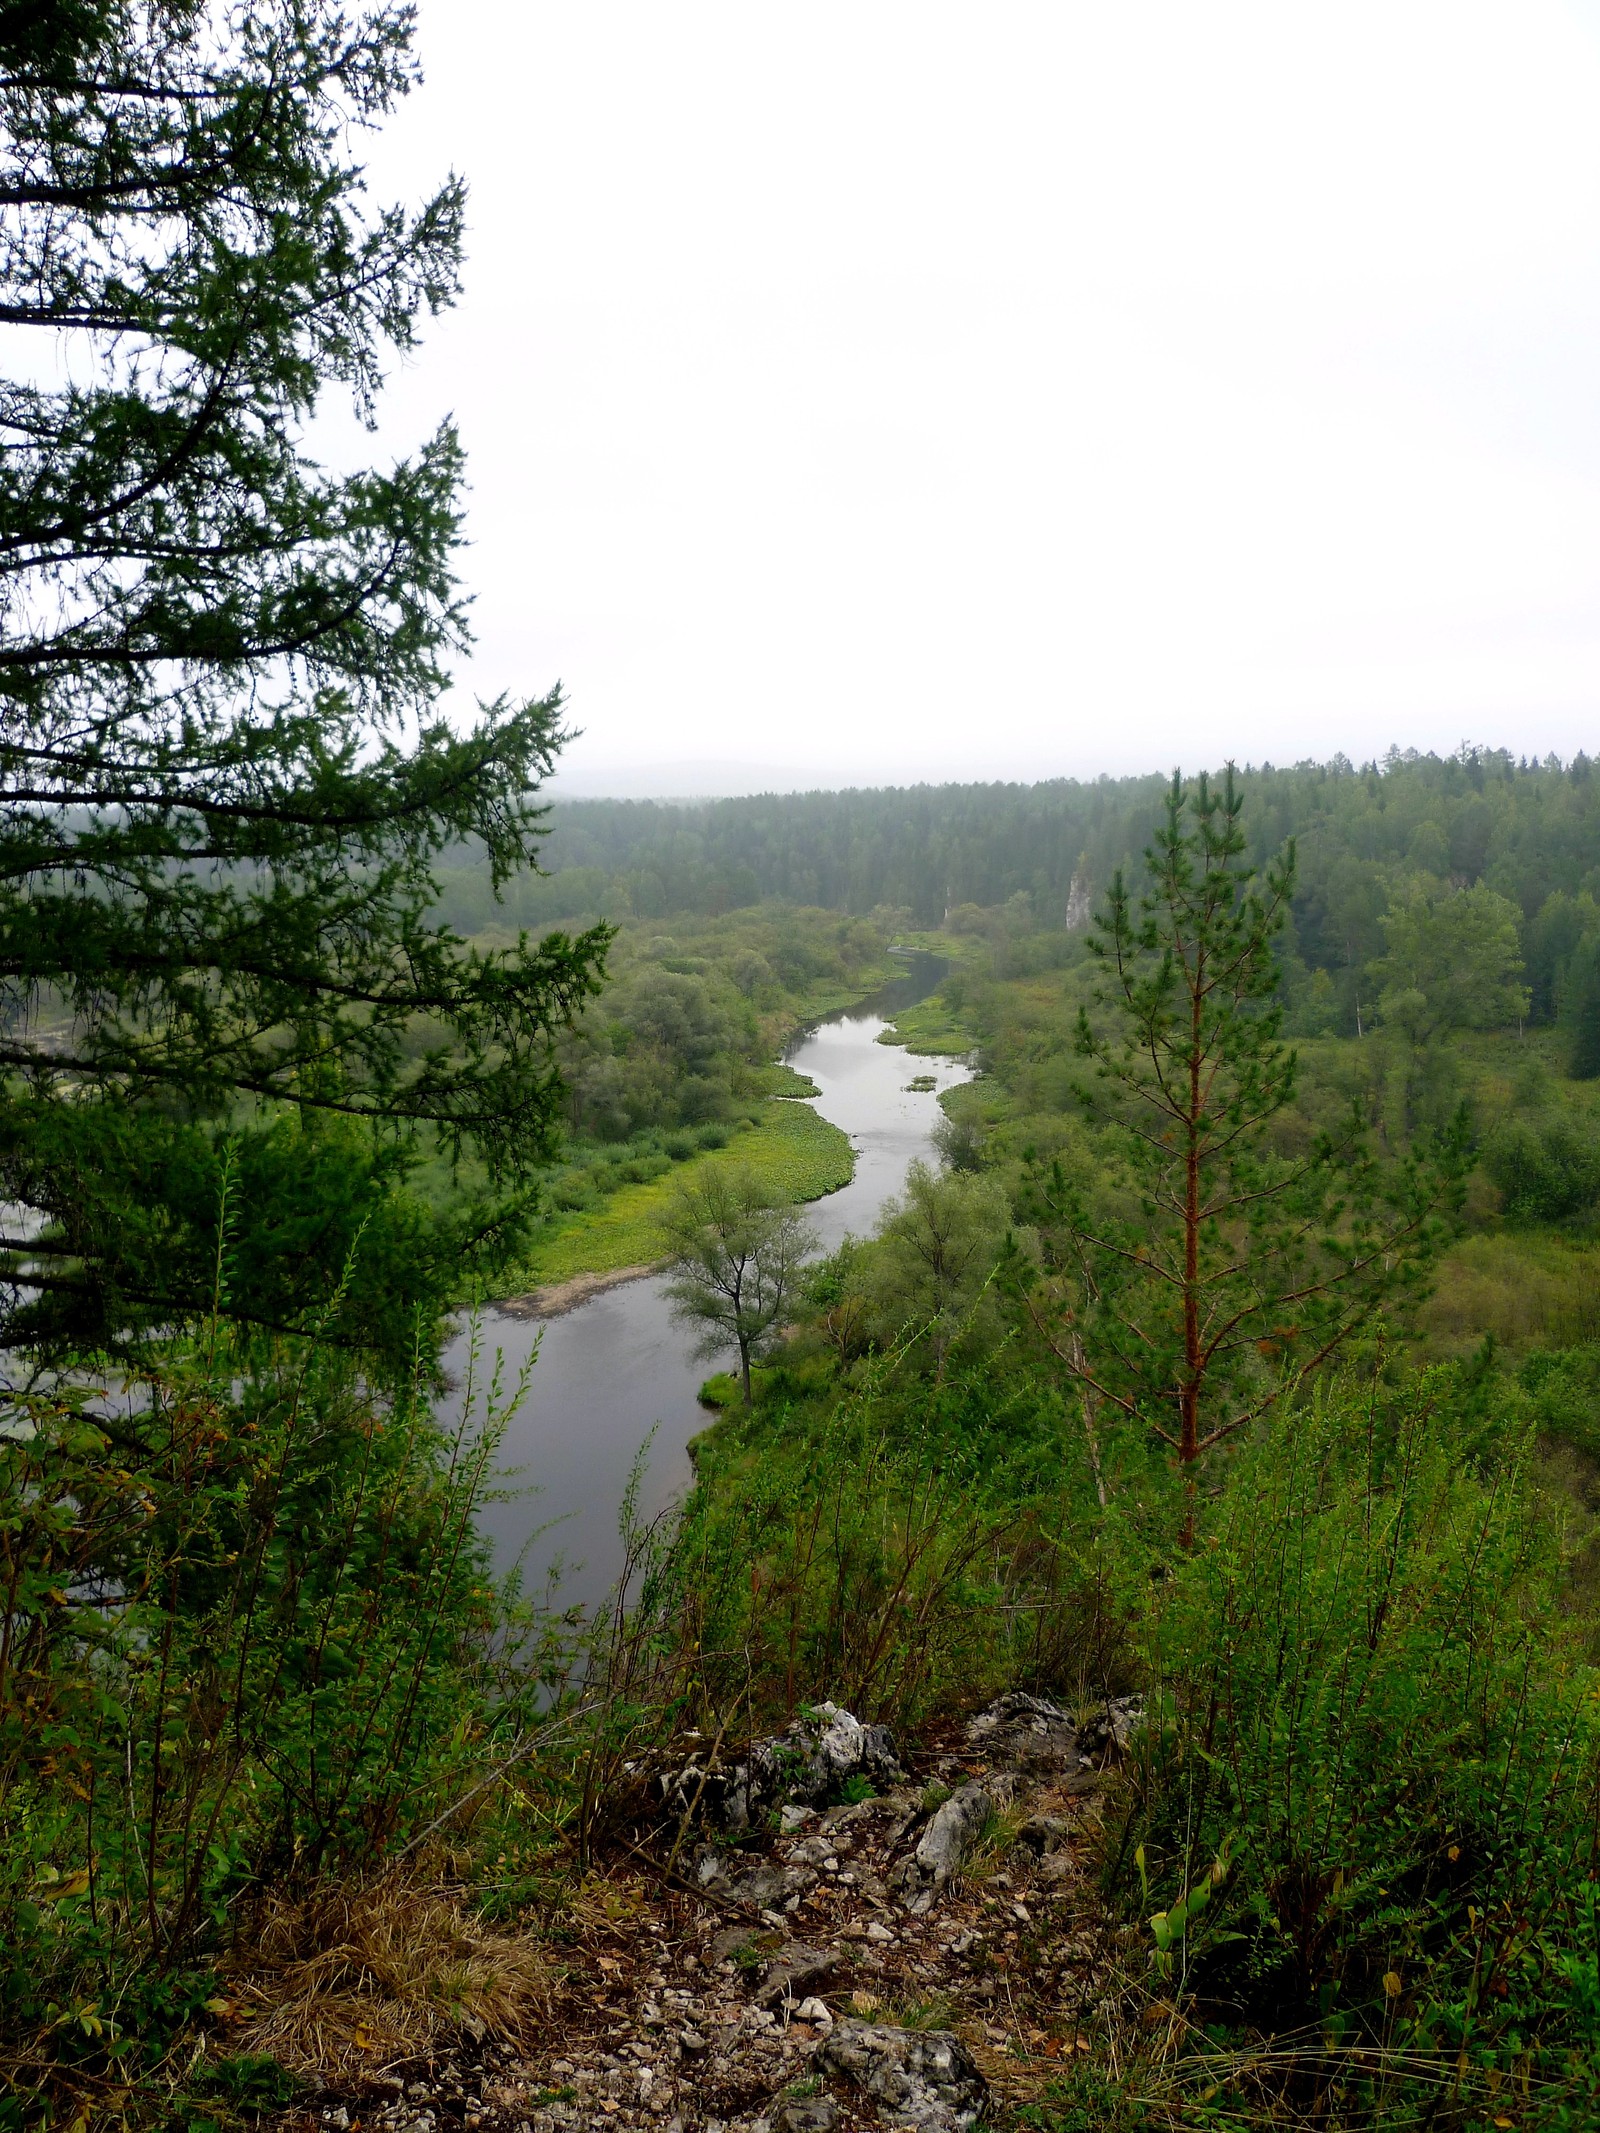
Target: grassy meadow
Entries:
(792, 1152)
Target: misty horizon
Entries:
(689, 781)
(893, 395)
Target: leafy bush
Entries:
(871, 1559)
(1367, 1798)
(1561, 1390)
(576, 1194)
(249, 1637)
(1547, 1168)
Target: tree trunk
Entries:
(1193, 1365)
(1091, 1434)
(1189, 1425)
(744, 1371)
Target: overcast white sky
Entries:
(885, 391)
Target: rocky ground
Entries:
(925, 1956)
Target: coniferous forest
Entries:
(1128, 1652)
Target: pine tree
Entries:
(1180, 1290)
(225, 772)
(1580, 1010)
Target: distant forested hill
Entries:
(1369, 838)
(922, 847)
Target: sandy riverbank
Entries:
(563, 1296)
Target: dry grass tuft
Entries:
(353, 1979)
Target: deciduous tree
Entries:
(1450, 962)
(1580, 1009)
(736, 1256)
(939, 1241)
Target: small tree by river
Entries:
(735, 1256)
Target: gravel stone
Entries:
(946, 1844)
(917, 2077)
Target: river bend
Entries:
(618, 1367)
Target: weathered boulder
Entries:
(793, 1970)
(710, 1866)
(716, 1795)
(1025, 1732)
(944, 1847)
(809, 1763)
(1033, 1733)
(1110, 1726)
(768, 1886)
(916, 2077)
(817, 1756)
(760, 1885)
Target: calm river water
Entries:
(618, 1367)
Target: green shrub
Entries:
(1367, 1797)
(640, 1169)
(1561, 1390)
(1086, 2099)
(575, 1194)
(1547, 1167)
(250, 1636)
(864, 1557)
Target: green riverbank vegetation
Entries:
(1305, 1454)
(618, 1203)
(671, 1078)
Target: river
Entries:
(619, 1367)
